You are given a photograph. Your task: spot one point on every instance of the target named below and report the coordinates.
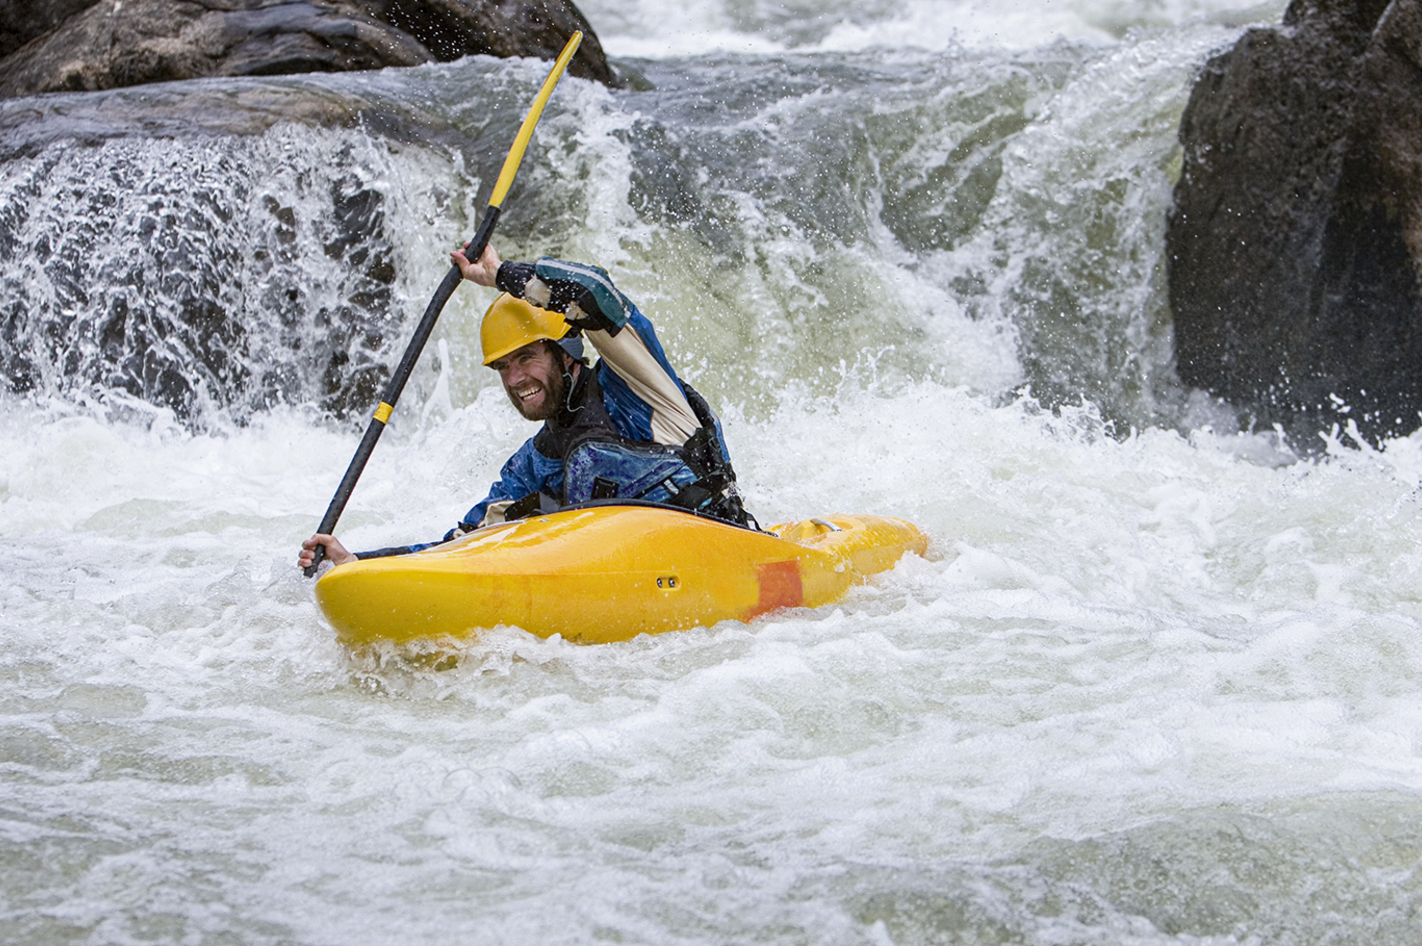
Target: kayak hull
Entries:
(607, 573)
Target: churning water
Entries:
(1156, 681)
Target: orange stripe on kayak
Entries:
(780, 587)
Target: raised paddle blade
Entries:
(535, 112)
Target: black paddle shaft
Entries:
(396, 386)
(473, 250)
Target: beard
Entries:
(555, 392)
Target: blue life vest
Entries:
(606, 469)
(598, 463)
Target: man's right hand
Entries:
(481, 271)
(336, 553)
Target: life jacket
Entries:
(600, 464)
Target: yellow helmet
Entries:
(512, 323)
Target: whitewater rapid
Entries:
(1156, 681)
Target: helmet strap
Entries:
(564, 360)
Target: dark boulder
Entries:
(84, 45)
(24, 20)
(1295, 242)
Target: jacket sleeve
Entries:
(644, 396)
(583, 294)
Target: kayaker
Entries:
(627, 428)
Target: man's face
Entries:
(533, 379)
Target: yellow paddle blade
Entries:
(525, 132)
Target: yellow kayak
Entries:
(608, 573)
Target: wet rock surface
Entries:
(1295, 243)
(237, 297)
(91, 45)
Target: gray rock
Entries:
(1295, 242)
(82, 45)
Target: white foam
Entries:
(662, 29)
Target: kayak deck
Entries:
(608, 573)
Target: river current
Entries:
(1156, 681)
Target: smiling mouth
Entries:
(532, 400)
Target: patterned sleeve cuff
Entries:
(584, 293)
(513, 277)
